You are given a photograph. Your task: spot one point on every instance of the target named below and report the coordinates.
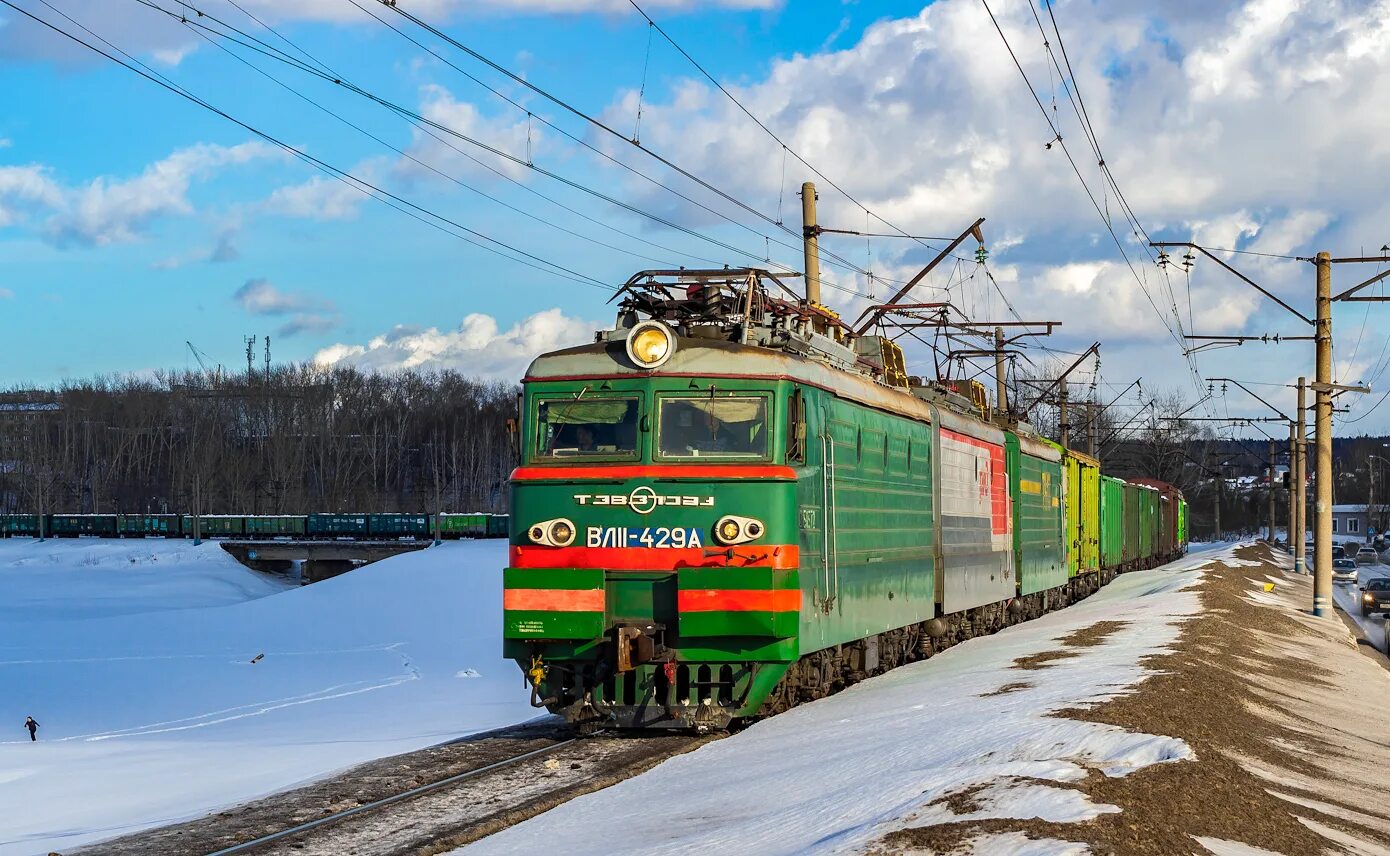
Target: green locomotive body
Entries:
(761, 517)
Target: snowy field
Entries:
(136, 659)
(836, 775)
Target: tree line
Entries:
(289, 440)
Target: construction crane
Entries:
(203, 360)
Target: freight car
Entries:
(391, 526)
(731, 503)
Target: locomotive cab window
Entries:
(712, 428)
(587, 427)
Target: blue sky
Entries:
(82, 308)
(132, 220)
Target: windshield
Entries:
(597, 427)
(1378, 585)
(705, 427)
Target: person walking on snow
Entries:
(33, 727)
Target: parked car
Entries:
(1367, 556)
(1343, 571)
(1338, 552)
(1375, 596)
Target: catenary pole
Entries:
(1063, 426)
(811, 241)
(1301, 479)
(1271, 492)
(1295, 549)
(1322, 529)
(1001, 393)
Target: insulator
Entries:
(981, 254)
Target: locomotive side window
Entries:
(701, 427)
(587, 427)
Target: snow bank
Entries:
(136, 658)
(838, 774)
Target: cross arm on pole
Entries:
(1247, 280)
(1252, 394)
(875, 312)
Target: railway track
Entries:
(420, 803)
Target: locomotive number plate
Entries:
(674, 537)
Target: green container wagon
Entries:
(140, 525)
(462, 525)
(497, 525)
(1035, 485)
(1131, 559)
(1112, 522)
(400, 525)
(215, 526)
(19, 525)
(276, 525)
(336, 526)
(72, 525)
(1148, 523)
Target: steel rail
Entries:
(247, 846)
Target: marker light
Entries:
(650, 344)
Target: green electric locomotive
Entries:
(730, 503)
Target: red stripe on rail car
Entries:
(639, 471)
(738, 600)
(1001, 518)
(554, 600)
(781, 557)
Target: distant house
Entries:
(1354, 521)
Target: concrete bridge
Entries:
(322, 559)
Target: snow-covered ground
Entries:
(836, 775)
(136, 659)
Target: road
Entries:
(1347, 596)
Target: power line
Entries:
(202, 31)
(400, 204)
(603, 126)
(1058, 139)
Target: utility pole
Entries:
(811, 241)
(1295, 549)
(1322, 531)
(1271, 492)
(1301, 477)
(1063, 427)
(1220, 485)
(1001, 393)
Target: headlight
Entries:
(552, 533)
(650, 344)
(737, 530)
(1368, 597)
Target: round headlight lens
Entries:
(754, 529)
(650, 344)
(562, 532)
(537, 534)
(728, 530)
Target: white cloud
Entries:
(5, 142)
(509, 132)
(107, 211)
(23, 189)
(260, 297)
(1255, 125)
(319, 198)
(477, 348)
(307, 313)
(6, 294)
